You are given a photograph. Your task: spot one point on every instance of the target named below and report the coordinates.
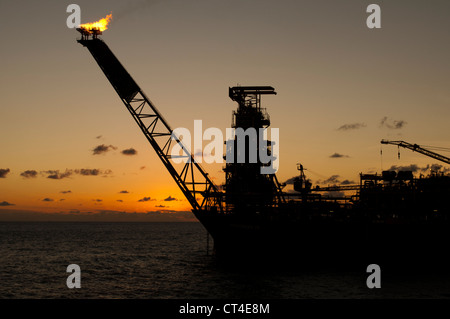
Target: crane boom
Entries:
(190, 177)
(417, 148)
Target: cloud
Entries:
(4, 203)
(29, 174)
(392, 124)
(4, 172)
(436, 168)
(123, 192)
(88, 172)
(399, 124)
(92, 172)
(129, 152)
(47, 200)
(99, 137)
(142, 168)
(119, 200)
(413, 168)
(333, 179)
(353, 126)
(146, 199)
(169, 199)
(101, 149)
(160, 206)
(417, 169)
(56, 174)
(106, 172)
(98, 200)
(337, 155)
(66, 192)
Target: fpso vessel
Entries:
(388, 218)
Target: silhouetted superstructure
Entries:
(247, 189)
(389, 216)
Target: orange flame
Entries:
(100, 25)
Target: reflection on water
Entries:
(169, 260)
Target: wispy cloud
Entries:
(337, 155)
(101, 149)
(47, 200)
(129, 152)
(4, 172)
(333, 179)
(392, 124)
(146, 199)
(417, 169)
(4, 203)
(29, 174)
(88, 171)
(436, 168)
(353, 126)
(169, 199)
(56, 174)
(123, 192)
(413, 168)
(66, 192)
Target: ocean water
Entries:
(170, 261)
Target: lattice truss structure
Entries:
(190, 177)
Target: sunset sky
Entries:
(69, 150)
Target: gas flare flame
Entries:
(100, 25)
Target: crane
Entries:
(417, 148)
(190, 177)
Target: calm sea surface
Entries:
(169, 260)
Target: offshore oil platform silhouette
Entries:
(391, 216)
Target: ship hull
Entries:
(328, 241)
